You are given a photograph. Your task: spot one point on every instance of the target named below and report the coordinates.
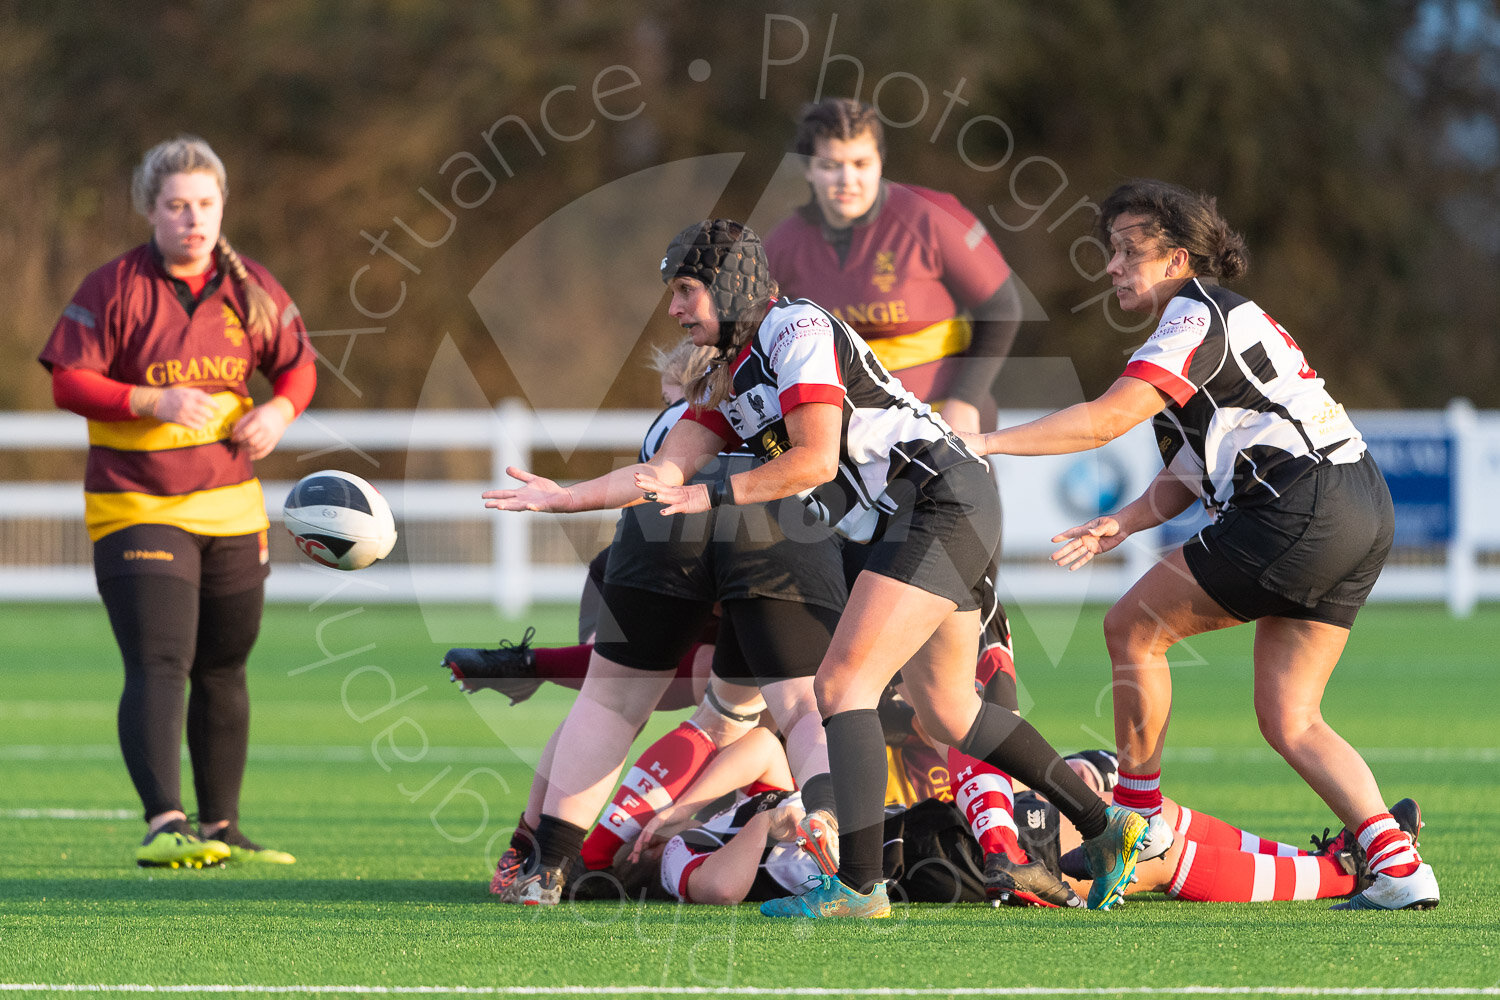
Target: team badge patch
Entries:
(233, 328)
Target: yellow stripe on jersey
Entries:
(948, 337)
(898, 787)
(150, 434)
(228, 510)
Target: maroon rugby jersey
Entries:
(126, 322)
(918, 261)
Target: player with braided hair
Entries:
(156, 349)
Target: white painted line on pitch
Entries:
(776, 991)
(69, 813)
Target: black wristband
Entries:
(720, 493)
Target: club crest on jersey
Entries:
(751, 411)
(233, 328)
(885, 271)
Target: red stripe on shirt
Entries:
(718, 423)
(1171, 383)
(688, 869)
(811, 392)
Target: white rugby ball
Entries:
(337, 519)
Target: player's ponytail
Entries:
(1228, 258)
(259, 306)
(715, 384)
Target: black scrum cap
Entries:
(728, 258)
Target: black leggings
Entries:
(170, 634)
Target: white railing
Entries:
(43, 555)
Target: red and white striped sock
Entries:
(1206, 829)
(1209, 874)
(983, 794)
(661, 774)
(1141, 792)
(1388, 849)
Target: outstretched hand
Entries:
(534, 493)
(691, 498)
(664, 824)
(1086, 541)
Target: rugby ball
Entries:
(339, 520)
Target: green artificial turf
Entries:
(396, 792)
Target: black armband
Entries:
(720, 493)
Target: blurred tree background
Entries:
(1356, 143)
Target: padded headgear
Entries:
(1104, 765)
(730, 261)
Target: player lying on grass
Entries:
(749, 850)
(918, 769)
(829, 426)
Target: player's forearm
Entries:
(1077, 428)
(614, 489)
(794, 470)
(725, 876)
(744, 762)
(1165, 498)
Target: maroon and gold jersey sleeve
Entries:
(87, 334)
(972, 267)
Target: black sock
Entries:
(523, 840)
(856, 764)
(558, 841)
(1007, 741)
(817, 793)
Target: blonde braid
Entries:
(261, 321)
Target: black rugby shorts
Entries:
(1312, 553)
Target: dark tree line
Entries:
(1353, 142)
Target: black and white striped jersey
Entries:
(657, 433)
(784, 867)
(1248, 416)
(802, 353)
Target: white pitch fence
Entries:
(1442, 465)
